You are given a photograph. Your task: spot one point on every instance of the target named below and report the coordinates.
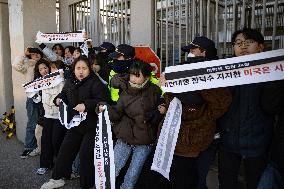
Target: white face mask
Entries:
(190, 55)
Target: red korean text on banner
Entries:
(146, 54)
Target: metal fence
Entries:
(179, 21)
(104, 20)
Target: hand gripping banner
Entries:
(103, 154)
(60, 37)
(167, 140)
(255, 68)
(75, 121)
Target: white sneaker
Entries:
(74, 175)
(53, 184)
(35, 152)
(41, 170)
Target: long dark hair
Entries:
(59, 64)
(61, 48)
(103, 63)
(36, 70)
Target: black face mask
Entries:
(195, 59)
(121, 66)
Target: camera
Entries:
(33, 50)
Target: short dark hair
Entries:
(249, 33)
(142, 66)
(36, 70)
(84, 59)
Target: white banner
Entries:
(60, 37)
(46, 82)
(255, 68)
(164, 152)
(76, 120)
(103, 154)
(84, 48)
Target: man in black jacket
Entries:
(273, 103)
(246, 130)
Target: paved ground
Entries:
(17, 173)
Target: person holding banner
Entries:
(53, 132)
(135, 118)
(56, 53)
(273, 103)
(202, 49)
(25, 64)
(246, 130)
(200, 110)
(81, 94)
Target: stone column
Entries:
(26, 18)
(142, 22)
(6, 97)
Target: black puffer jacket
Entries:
(246, 129)
(89, 91)
(273, 103)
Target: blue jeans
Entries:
(76, 164)
(32, 114)
(122, 152)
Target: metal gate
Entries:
(104, 20)
(179, 21)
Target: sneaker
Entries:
(35, 152)
(53, 184)
(26, 153)
(41, 171)
(74, 175)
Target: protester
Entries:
(200, 49)
(56, 53)
(68, 55)
(25, 64)
(135, 119)
(104, 50)
(100, 67)
(53, 132)
(200, 110)
(81, 94)
(246, 130)
(122, 59)
(77, 52)
(41, 69)
(273, 103)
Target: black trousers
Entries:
(73, 143)
(184, 173)
(151, 179)
(52, 136)
(229, 166)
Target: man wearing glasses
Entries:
(246, 130)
